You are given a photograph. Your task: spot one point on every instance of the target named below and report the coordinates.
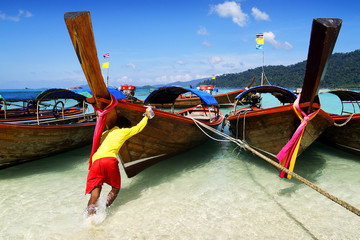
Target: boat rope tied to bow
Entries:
(100, 125)
(246, 146)
(287, 155)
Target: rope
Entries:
(277, 165)
(344, 123)
(228, 97)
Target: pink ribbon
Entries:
(290, 150)
(100, 125)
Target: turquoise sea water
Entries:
(215, 191)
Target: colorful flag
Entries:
(260, 35)
(106, 55)
(105, 65)
(260, 46)
(260, 41)
(213, 77)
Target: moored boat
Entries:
(165, 135)
(284, 132)
(169, 133)
(38, 104)
(26, 140)
(269, 129)
(224, 99)
(346, 130)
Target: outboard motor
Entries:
(207, 88)
(128, 90)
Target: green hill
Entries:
(343, 72)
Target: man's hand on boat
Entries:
(149, 113)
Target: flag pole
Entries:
(260, 46)
(107, 77)
(107, 55)
(262, 74)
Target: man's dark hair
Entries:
(123, 122)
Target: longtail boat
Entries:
(224, 99)
(346, 130)
(269, 130)
(25, 105)
(26, 140)
(167, 134)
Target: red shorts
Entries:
(103, 170)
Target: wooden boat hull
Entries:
(227, 99)
(21, 143)
(224, 100)
(164, 136)
(345, 137)
(268, 130)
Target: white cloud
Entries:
(200, 76)
(180, 62)
(232, 10)
(202, 31)
(121, 81)
(18, 17)
(181, 78)
(123, 78)
(174, 78)
(131, 65)
(259, 15)
(215, 60)
(207, 44)
(269, 37)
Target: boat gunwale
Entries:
(170, 115)
(277, 109)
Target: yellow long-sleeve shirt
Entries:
(113, 139)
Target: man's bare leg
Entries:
(95, 194)
(112, 196)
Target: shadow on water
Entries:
(272, 198)
(56, 163)
(309, 158)
(309, 165)
(169, 169)
(338, 153)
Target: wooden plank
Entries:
(82, 37)
(323, 37)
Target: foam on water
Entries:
(210, 192)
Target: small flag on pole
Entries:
(106, 55)
(260, 35)
(105, 65)
(260, 46)
(260, 41)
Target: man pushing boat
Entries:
(104, 165)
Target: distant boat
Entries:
(129, 91)
(26, 140)
(165, 135)
(269, 130)
(26, 105)
(345, 134)
(189, 100)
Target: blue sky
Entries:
(161, 41)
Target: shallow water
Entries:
(215, 191)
